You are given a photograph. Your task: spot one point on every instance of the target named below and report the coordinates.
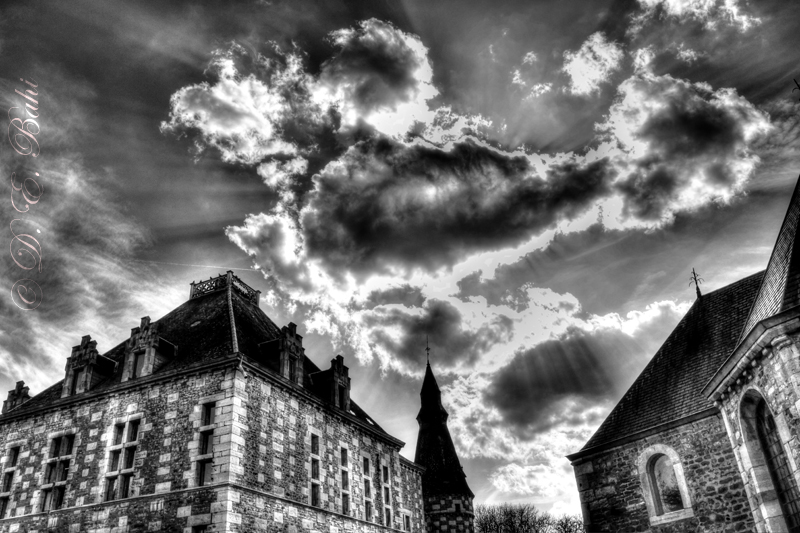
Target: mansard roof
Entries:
(202, 329)
(780, 288)
(669, 389)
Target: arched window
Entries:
(664, 487)
(778, 465)
(666, 494)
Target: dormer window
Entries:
(137, 367)
(146, 352)
(85, 368)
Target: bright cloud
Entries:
(710, 12)
(593, 64)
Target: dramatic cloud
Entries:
(709, 12)
(381, 75)
(546, 402)
(684, 144)
(384, 205)
(400, 332)
(592, 65)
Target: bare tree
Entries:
(525, 518)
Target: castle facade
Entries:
(213, 419)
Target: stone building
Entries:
(210, 419)
(708, 436)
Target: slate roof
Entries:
(435, 450)
(201, 330)
(669, 388)
(780, 289)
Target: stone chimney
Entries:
(16, 397)
(339, 384)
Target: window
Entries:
(77, 376)
(122, 459)
(56, 471)
(315, 444)
(458, 507)
(366, 466)
(8, 477)
(666, 494)
(344, 458)
(315, 494)
(342, 397)
(386, 474)
(209, 414)
(314, 468)
(137, 368)
(345, 481)
(388, 516)
(663, 485)
(13, 457)
(368, 511)
(292, 368)
(386, 495)
(204, 467)
(3, 507)
(778, 465)
(367, 489)
(407, 523)
(205, 471)
(345, 503)
(763, 442)
(52, 498)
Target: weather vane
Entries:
(427, 350)
(697, 280)
(798, 85)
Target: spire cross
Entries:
(697, 280)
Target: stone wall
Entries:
(446, 513)
(281, 420)
(772, 375)
(613, 498)
(259, 454)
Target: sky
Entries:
(525, 184)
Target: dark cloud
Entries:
(405, 295)
(384, 204)
(375, 66)
(686, 143)
(452, 342)
(638, 267)
(558, 379)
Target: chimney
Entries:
(340, 384)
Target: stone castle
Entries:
(708, 436)
(213, 419)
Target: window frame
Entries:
(647, 483)
(122, 455)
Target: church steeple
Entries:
(447, 497)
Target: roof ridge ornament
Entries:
(697, 280)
